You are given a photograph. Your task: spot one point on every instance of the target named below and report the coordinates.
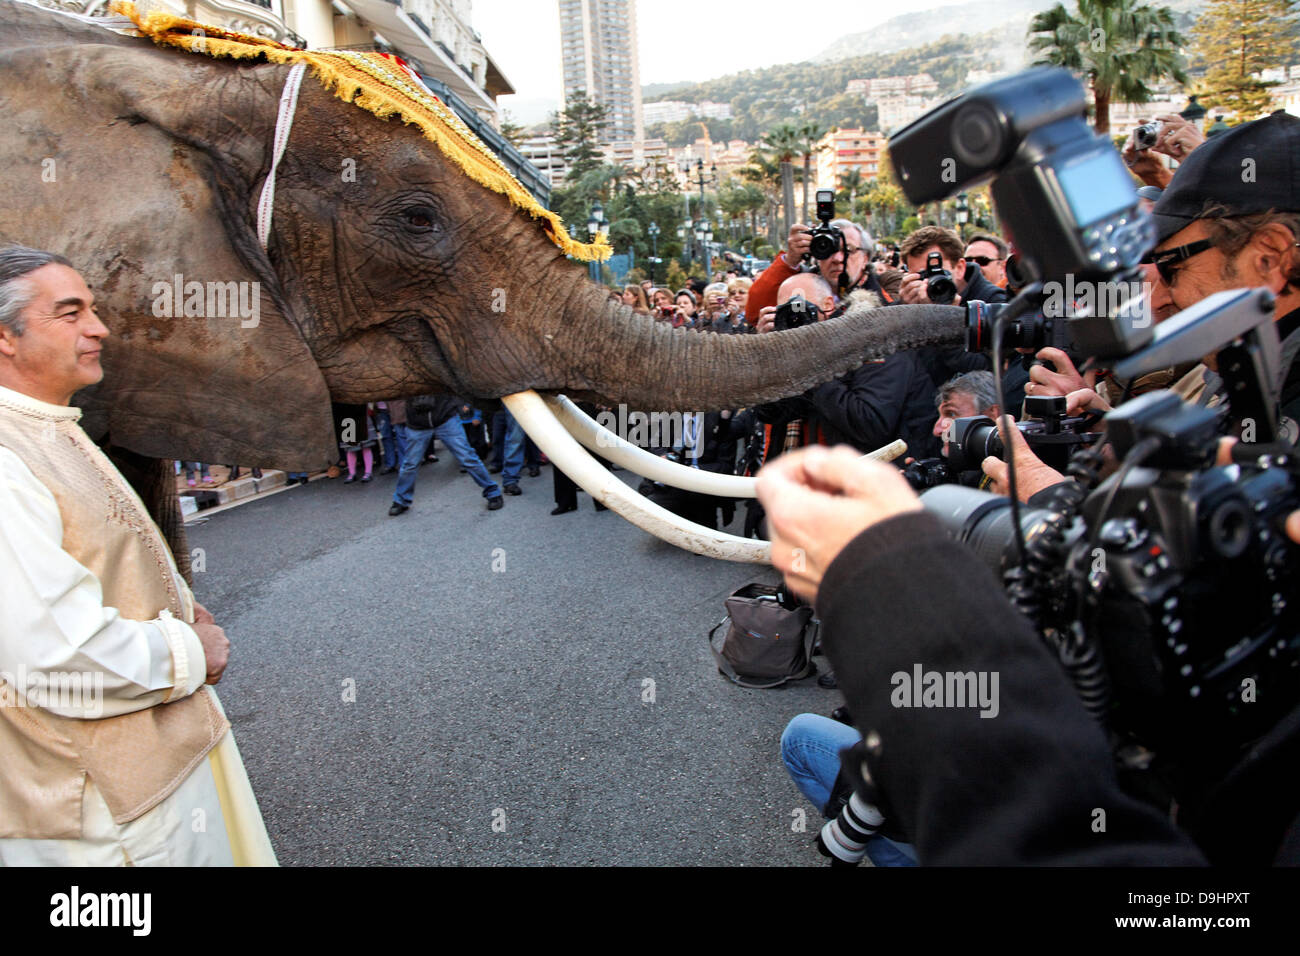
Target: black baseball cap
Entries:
(1252, 168)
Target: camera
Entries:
(1145, 136)
(1062, 191)
(826, 239)
(795, 313)
(927, 473)
(1167, 589)
(938, 281)
(1051, 435)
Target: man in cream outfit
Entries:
(115, 752)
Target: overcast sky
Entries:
(679, 40)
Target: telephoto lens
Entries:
(983, 522)
(844, 839)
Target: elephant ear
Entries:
(140, 166)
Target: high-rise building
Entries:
(598, 40)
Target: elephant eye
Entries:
(419, 219)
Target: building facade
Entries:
(598, 41)
(844, 149)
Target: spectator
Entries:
(662, 306)
(390, 441)
(989, 252)
(191, 467)
(738, 295)
(634, 296)
(686, 304)
(357, 435)
(427, 416)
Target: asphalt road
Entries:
(496, 716)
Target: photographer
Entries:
(971, 286)
(868, 407)
(857, 242)
(990, 253)
(1022, 787)
(1175, 137)
(1216, 232)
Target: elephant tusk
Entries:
(627, 455)
(566, 454)
(622, 452)
(887, 452)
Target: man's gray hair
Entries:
(16, 293)
(864, 238)
(978, 385)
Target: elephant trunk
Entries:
(618, 356)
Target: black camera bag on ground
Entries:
(767, 643)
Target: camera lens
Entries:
(823, 246)
(940, 289)
(982, 522)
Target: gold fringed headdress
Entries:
(383, 85)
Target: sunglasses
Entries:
(1167, 260)
(982, 260)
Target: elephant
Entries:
(144, 166)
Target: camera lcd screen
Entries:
(1097, 187)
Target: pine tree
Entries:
(1234, 39)
(578, 131)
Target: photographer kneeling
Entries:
(1021, 778)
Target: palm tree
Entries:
(764, 171)
(785, 141)
(852, 184)
(809, 134)
(1119, 45)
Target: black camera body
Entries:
(928, 473)
(795, 313)
(939, 284)
(1051, 434)
(826, 239)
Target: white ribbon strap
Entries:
(283, 124)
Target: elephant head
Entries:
(387, 271)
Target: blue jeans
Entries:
(393, 437)
(514, 454)
(810, 750)
(452, 434)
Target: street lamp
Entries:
(963, 214)
(684, 234)
(652, 231)
(596, 224)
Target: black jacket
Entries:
(944, 363)
(869, 407)
(1023, 787)
(430, 411)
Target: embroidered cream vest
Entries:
(138, 759)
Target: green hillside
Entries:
(762, 99)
